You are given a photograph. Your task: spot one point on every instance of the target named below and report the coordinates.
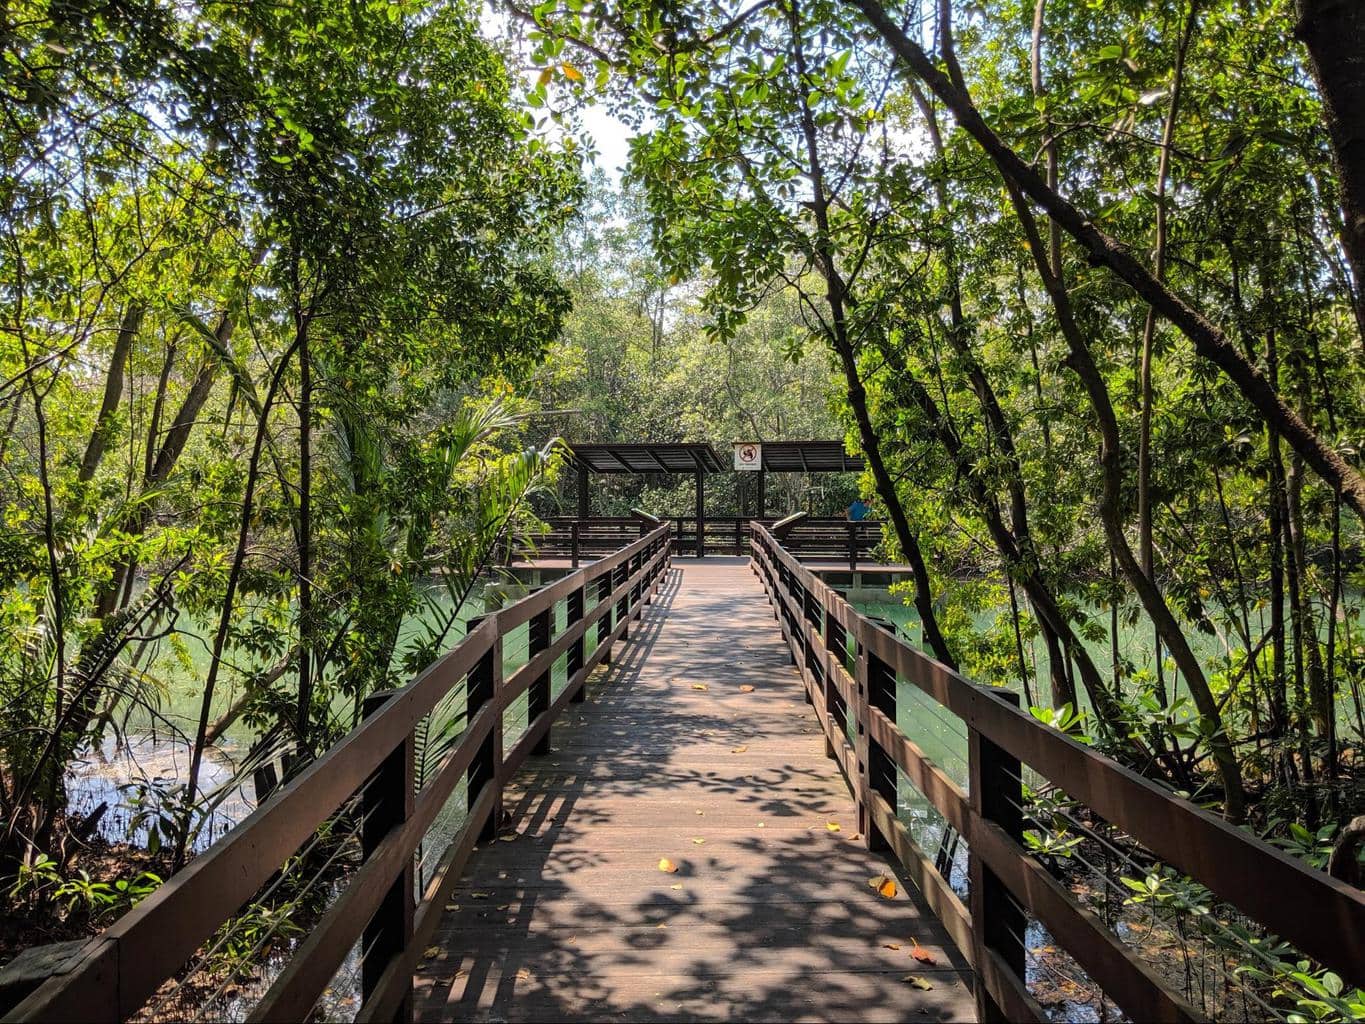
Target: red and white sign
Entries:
(748, 455)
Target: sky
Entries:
(611, 138)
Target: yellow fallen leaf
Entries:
(884, 885)
(740, 749)
(833, 826)
(667, 866)
(699, 840)
(678, 886)
(891, 945)
(916, 981)
(761, 825)
(855, 837)
(452, 906)
(700, 686)
(746, 688)
(431, 952)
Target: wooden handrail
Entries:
(121, 968)
(1319, 915)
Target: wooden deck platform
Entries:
(769, 915)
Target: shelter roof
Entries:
(645, 458)
(809, 457)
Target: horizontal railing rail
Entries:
(116, 972)
(807, 536)
(851, 667)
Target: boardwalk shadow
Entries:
(768, 917)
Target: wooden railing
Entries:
(114, 974)
(584, 539)
(851, 668)
(808, 536)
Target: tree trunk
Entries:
(857, 395)
(1208, 340)
(1082, 363)
(1334, 33)
(113, 391)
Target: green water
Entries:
(943, 737)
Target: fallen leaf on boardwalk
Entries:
(921, 954)
(891, 945)
(523, 974)
(701, 812)
(667, 866)
(431, 952)
(509, 839)
(855, 837)
(699, 840)
(833, 826)
(746, 688)
(678, 886)
(452, 906)
(740, 749)
(479, 895)
(885, 886)
(917, 982)
(761, 825)
(503, 906)
(700, 686)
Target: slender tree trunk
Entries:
(1082, 363)
(167, 455)
(305, 707)
(913, 392)
(1147, 394)
(857, 393)
(225, 612)
(1208, 340)
(1334, 33)
(113, 391)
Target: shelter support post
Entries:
(701, 513)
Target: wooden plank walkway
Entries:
(769, 917)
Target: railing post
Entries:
(881, 769)
(387, 802)
(538, 693)
(482, 686)
(573, 543)
(738, 537)
(575, 661)
(872, 837)
(852, 546)
(620, 575)
(604, 623)
(996, 795)
(836, 640)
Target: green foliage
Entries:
(196, 207)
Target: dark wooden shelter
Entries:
(698, 459)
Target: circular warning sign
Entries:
(748, 455)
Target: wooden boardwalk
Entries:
(769, 915)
